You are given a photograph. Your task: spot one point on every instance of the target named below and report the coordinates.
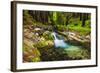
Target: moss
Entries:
(31, 54)
(78, 54)
(80, 30)
(47, 35)
(42, 44)
(37, 59)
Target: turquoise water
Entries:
(60, 43)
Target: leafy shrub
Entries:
(80, 30)
(61, 27)
(88, 23)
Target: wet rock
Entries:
(37, 29)
(88, 37)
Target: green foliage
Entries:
(75, 22)
(80, 30)
(61, 27)
(54, 16)
(61, 19)
(78, 54)
(88, 24)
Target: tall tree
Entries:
(83, 19)
(68, 17)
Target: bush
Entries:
(61, 27)
(80, 30)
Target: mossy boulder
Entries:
(48, 35)
(42, 44)
(31, 54)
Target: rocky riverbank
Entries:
(39, 45)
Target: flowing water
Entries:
(60, 43)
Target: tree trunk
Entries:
(83, 19)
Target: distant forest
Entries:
(64, 18)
